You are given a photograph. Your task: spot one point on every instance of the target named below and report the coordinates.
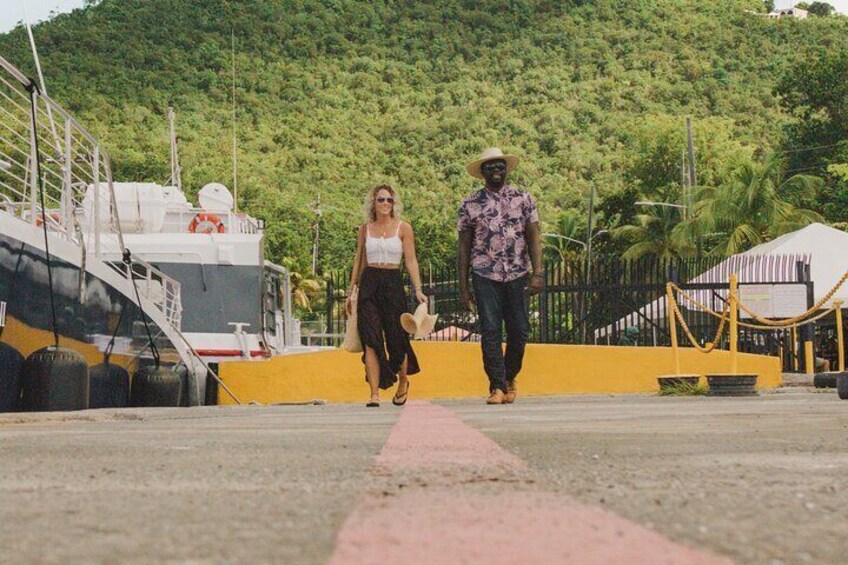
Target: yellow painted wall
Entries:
(455, 370)
(27, 340)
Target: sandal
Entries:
(373, 403)
(400, 399)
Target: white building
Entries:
(796, 13)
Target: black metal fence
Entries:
(593, 304)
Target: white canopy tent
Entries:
(823, 248)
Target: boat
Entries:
(236, 304)
(66, 278)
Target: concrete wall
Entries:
(455, 370)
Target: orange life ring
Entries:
(55, 216)
(206, 223)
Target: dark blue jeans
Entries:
(502, 304)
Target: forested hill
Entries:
(336, 95)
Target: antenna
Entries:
(235, 137)
(176, 176)
(41, 83)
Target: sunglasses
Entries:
(388, 199)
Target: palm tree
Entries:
(754, 205)
(570, 224)
(303, 290)
(656, 233)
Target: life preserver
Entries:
(57, 219)
(206, 223)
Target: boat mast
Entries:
(235, 137)
(42, 85)
(176, 174)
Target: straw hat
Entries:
(419, 324)
(490, 154)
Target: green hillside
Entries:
(336, 95)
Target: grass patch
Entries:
(683, 389)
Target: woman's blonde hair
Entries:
(371, 196)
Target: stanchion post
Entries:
(672, 326)
(733, 302)
(809, 358)
(839, 342)
(793, 341)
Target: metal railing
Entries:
(76, 176)
(598, 307)
(237, 223)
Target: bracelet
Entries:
(538, 274)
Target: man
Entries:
(629, 336)
(498, 226)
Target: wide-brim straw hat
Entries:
(490, 154)
(420, 324)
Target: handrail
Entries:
(79, 199)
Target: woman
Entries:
(384, 242)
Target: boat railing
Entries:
(180, 221)
(54, 172)
(160, 289)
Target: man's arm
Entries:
(463, 259)
(533, 235)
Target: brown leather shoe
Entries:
(511, 392)
(496, 397)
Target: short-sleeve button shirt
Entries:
(499, 222)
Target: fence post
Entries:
(672, 326)
(543, 309)
(839, 343)
(330, 289)
(734, 314)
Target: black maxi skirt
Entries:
(379, 306)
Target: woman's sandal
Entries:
(373, 403)
(400, 400)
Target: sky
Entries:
(11, 11)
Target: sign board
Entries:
(774, 300)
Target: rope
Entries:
(770, 326)
(791, 321)
(714, 343)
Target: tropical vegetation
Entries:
(336, 95)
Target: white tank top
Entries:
(383, 250)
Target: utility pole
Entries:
(316, 227)
(684, 184)
(693, 180)
(588, 293)
(589, 235)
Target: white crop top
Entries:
(383, 250)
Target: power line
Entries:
(806, 169)
(812, 148)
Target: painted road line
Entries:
(429, 436)
(495, 523)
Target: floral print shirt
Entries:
(499, 221)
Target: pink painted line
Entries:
(513, 527)
(454, 523)
(428, 436)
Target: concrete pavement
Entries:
(749, 479)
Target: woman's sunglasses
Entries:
(388, 199)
